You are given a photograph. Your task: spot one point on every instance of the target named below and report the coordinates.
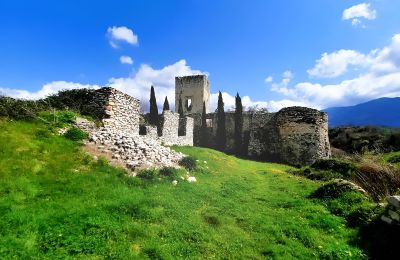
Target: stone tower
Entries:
(194, 90)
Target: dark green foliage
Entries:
(313, 174)
(180, 107)
(345, 169)
(394, 158)
(327, 169)
(148, 175)
(58, 118)
(166, 104)
(331, 191)
(221, 131)
(169, 172)
(19, 108)
(238, 125)
(75, 134)
(203, 129)
(153, 116)
(188, 162)
(359, 139)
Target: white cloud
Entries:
(247, 102)
(335, 64)
(380, 78)
(47, 90)
(162, 79)
(268, 79)
(125, 60)
(137, 85)
(358, 12)
(121, 34)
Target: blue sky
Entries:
(272, 52)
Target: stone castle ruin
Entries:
(294, 135)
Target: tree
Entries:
(166, 104)
(180, 107)
(203, 129)
(221, 131)
(153, 117)
(238, 124)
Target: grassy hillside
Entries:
(56, 201)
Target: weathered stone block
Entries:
(394, 201)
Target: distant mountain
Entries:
(378, 112)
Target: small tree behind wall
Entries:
(221, 131)
(153, 117)
(166, 104)
(238, 125)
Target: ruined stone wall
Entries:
(117, 110)
(197, 89)
(294, 135)
(121, 112)
(169, 126)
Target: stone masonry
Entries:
(293, 135)
(120, 136)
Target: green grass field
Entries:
(57, 202)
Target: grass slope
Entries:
(56, 202)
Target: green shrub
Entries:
(188, 162)
(345, 169)
(76, 134)
(333, 190)
(169, 173)
(148, 174)
(394, 158)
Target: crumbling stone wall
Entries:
(169, 128)
(120, 112)
(294, 135)
(117, 110)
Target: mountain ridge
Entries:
(379, 112)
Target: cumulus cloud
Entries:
(335, 64)
(137, 85)
(380, 77)
(162, 79)
(126, 60)
(358, 12)
(121, 34)
(47, 90)
(269, 79)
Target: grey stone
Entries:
(394, 201)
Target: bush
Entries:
(394, 158)
(75, 134)
(169, 172)
(334, 189)
(147, 174)
(188, 162)
(346, 169)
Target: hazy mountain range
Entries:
(378, 112)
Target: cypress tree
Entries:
(221, 131)
(203, 129)
(166, 104)
(153, 117)
(238, 124)
(180, 107)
